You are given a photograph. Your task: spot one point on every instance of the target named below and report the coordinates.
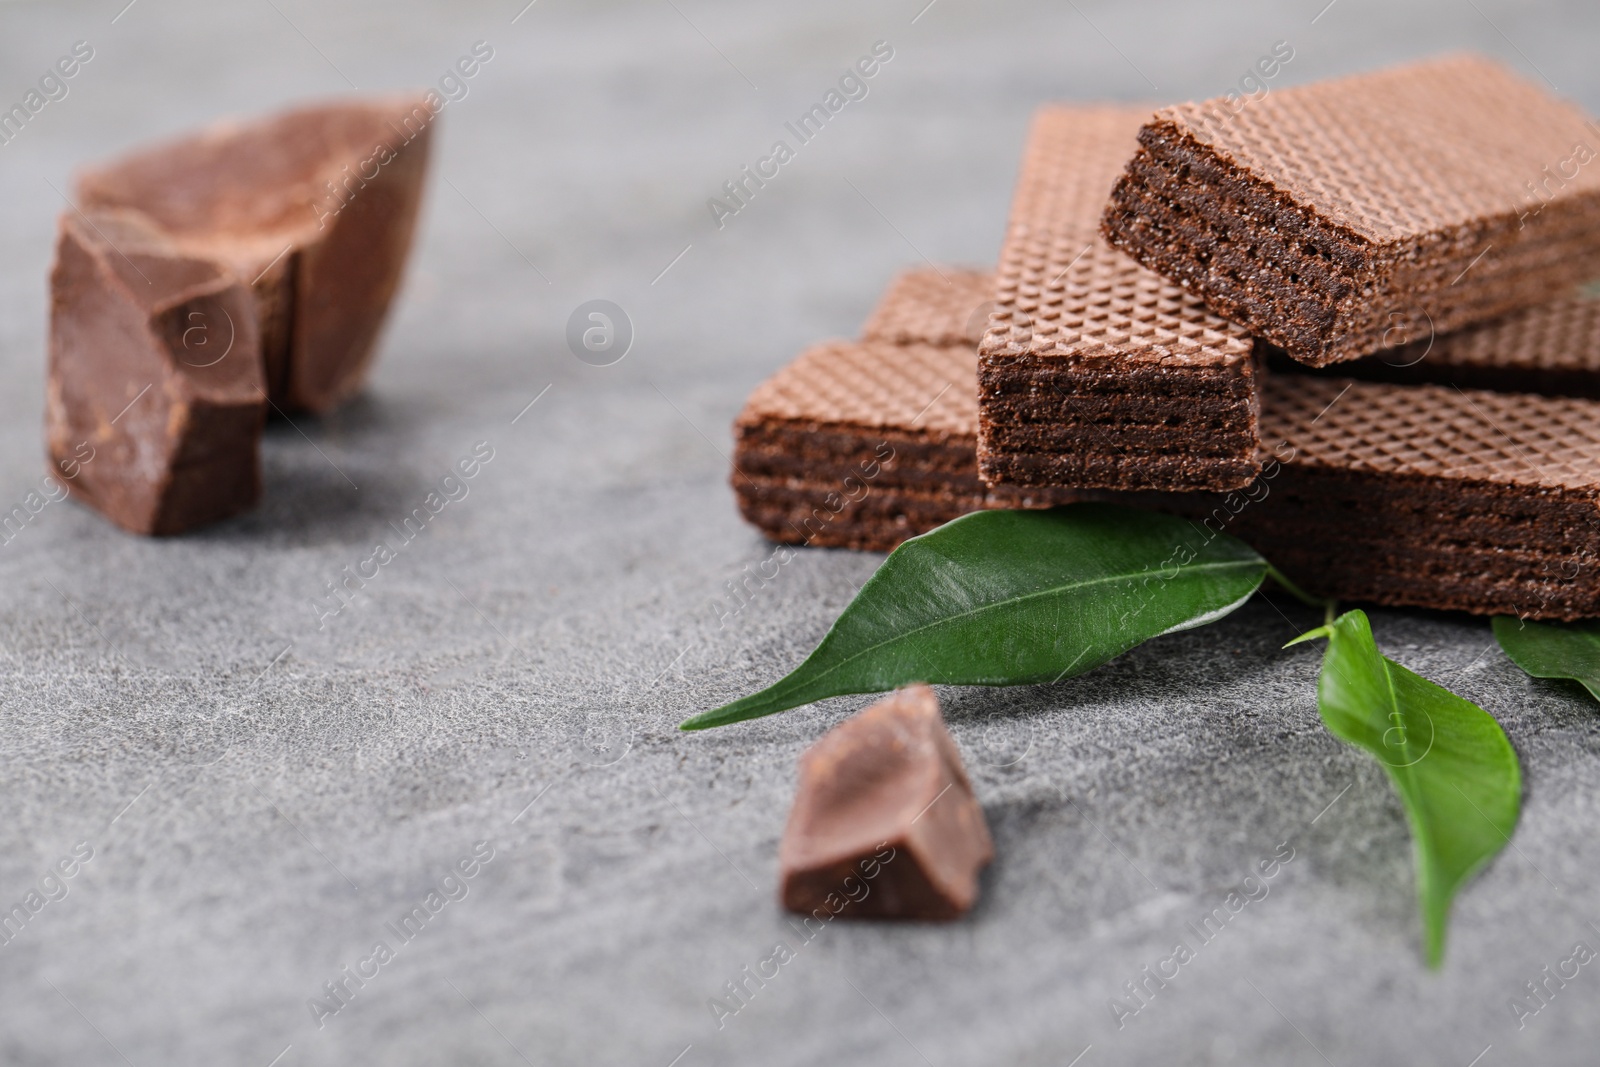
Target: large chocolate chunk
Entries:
(155, 396)
(313, 208)
(1331, 218)
(884, 824)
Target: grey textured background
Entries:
(262, 796)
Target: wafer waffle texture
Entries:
(1553, 349)
(1427, 495)
(861, 444)
(1097, 372)
(1427, 197)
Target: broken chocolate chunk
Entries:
(155, 397)
(885, 824)
(204, 280)
(314, 209)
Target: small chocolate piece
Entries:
(1326, 217)
(156, 397)
(884, 823)
(1424, 496)
(313, 208)
(863, 444)
(1098, 373)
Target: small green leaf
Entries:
(1016, 598)
(1552, 650)
(1455, 771)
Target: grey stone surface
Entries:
(262, 795)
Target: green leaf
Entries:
(1551, 650)
(1016, 598)
(1455, 771)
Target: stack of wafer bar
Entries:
(1361, 483)
(1422, 495)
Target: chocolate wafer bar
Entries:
(1417, 495)
(1424, 198)
(1096, 372)
(1553, 349)
(861, 444)
(1425, 495)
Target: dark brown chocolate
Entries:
(884, 823)
(313, 208)
(201, 282)
(156, 395)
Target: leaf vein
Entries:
(982, 608)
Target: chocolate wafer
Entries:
(1427, 197)
(861, 444)
(1553, 349)
(1418, 495)
(1426, 495)
(1095, 371)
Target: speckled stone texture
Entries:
(540, 639)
